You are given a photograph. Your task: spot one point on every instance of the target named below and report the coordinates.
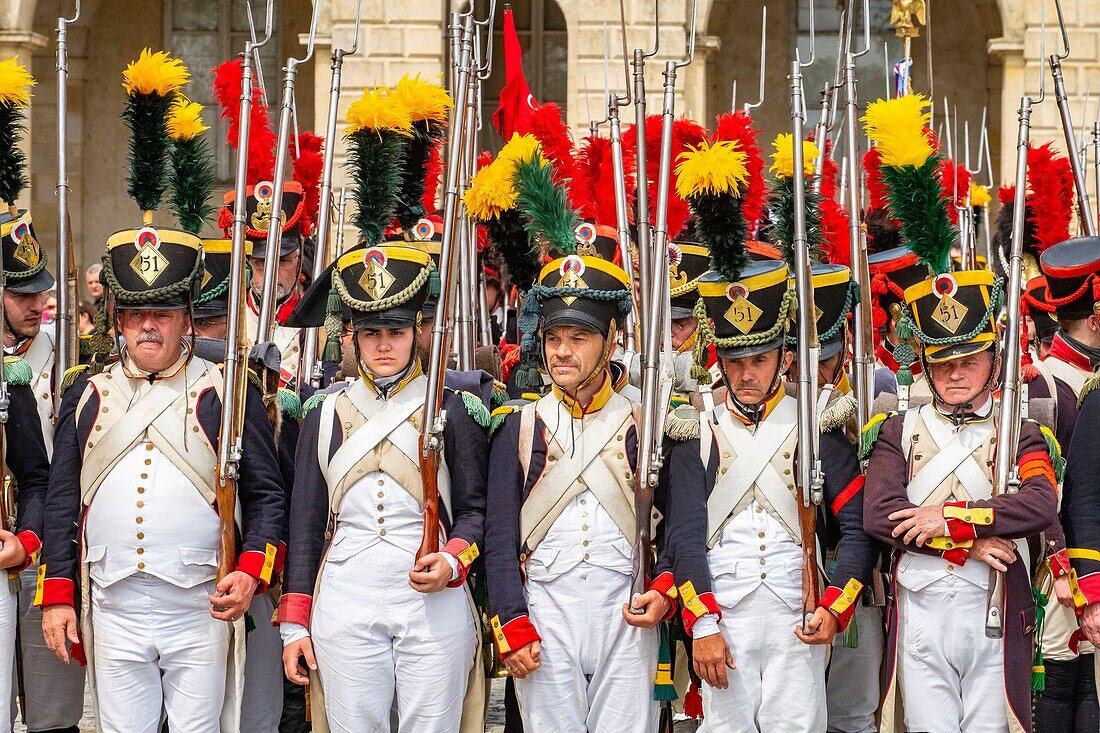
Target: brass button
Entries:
(381, 520)
(140, 520)
(786, 472)
(194, 394)
(763, 576)
(725, 454)
(105, 393)
(584, 501)
(148, 446)
(724, 469)
(189, 410)
(382, 533)
(380, 507)
(950, 568)
(786, 454)
(586, 556)
(141, 535)
(628, 474)
(195, 428)
(98, 428)
(763, 561)
(918, 456)
(619, 455)
(148, 461)
(585, 543)
(140, 504)
(141, 550)
(760, 535)
(759, 509)
(145, 475)
(763, 547)
(380, 494)
(584, 527)
(104, 409)
(45, 396)
(966, 518)
(381, 482)
(141, 566)
(618, 437)
(141, 489)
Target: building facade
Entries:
(985, 55)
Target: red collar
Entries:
(284, 310)
(1061, 350)
(886, 358)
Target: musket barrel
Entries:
(1084, 208)
(1008, 427)
(622, 224)
(65, 348)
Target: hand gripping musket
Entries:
(1006, 477)
(268, 298)
(656, 384)
(236, 351)
(810, 480)
(310, 365)
(65, 340)
(615, 134)
(1084, 209)
(431, 430)
(863, 357)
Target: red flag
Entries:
(516, 101)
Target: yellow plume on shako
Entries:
(425, 100)
(15, 83)
(783, 156)
(155, 73)
(979, 195)
(520, 149)
(899, 129)
(711, 168)
(185, 120)
(379, 111)
(492, 191)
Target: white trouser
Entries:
(778, 685)
(597, 671)
(853, 686)
(54, 690)
(375, 636)
(262, 702)
(951, 676)
(157, 647)
(9, 613)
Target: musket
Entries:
(431, 429)
(641, 198)
(824, 120)
(810, 480)
(656, 387)
(231, 426)
(1084, 208)
(615, 134)
(1006, 476)
(863, 358)
(65, 340)
(310, 364)
(268, 297)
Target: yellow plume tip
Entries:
(899, 129)
(425, 100)
(979, 195)
(15, 83)
(185, 120)
(783, 156)
(712, 169)
(379, 111)
(155, 73)
(520, 149)
(491, 191)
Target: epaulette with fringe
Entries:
(500, 414)
(869, 435)
(474, 407)
(17, 371)
(314, 401)
(290, 404)
(1054, 450)
(499, 395)
(1087, 387)
(682, 423)
(838, 413)
(68, 379)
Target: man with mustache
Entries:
(559, 547)
(929, 497)
(132, 530)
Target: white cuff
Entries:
(292, 632)
(453, 562)
(705, 625)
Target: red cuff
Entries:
(841, 603)
(1059, 563)
(957, 555)
(465, 553)
(57, 591)
(696, 606)
(665, 584)
(959, 530)
(513, 635)
(296, 608)
(252, 562)
(31, 544)
(1090, 587)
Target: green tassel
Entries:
(499, 394)
(1038, 668)
(289, 403)
(17, 371)
(475, 407)
(851, 634)
(15, 583)
(1086, 388)
(869, 435)
(312, 402)
(1055, 452)
(527, 377)
(663, 688)
(249, 623)
(496, 421)
(71, 375)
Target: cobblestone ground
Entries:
(494, 723)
